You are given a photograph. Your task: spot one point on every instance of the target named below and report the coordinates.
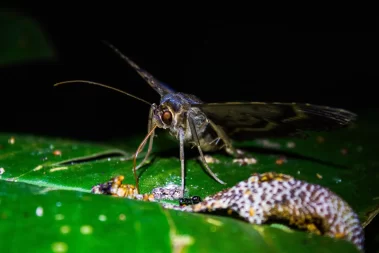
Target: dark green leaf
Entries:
(344, 161)
(36, 219)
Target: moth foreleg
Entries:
(150, 147)
(181, 147)
(197, 143)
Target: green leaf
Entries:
(22, 39)
(344, 161)
(36, 219)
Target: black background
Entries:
(323, 61)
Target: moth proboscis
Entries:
(212, 126)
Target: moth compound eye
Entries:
(167, 117)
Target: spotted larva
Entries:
(271, 196)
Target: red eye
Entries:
(167, 117)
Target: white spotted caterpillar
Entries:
(272, 196)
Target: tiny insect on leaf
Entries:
(189, 201)
(213, 126)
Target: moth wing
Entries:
(259, 120)
(157, 85)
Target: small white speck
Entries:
(11, 140)
(86, 229)
(269, 144)
(291, 144)
(2, 170)
(39, 211)
(298, 172)
(102, 217)
(59, 247)
(51, 146)
(338, 180)
(245, 161)
(109, 159)
(210, 159)
(58, 204)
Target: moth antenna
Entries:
(136, 154)
(105, 86)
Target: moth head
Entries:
(171, 111)
(163, 116)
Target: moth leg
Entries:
(181, 144)
(228, 144)
(196, 140)
(149, 126)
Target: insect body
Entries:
(189, 201)
(212, 126)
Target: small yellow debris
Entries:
(65, 229)
(339, 235)
(58, 169)
(11, 140)
(251, 212)
(122, 217)
(59, 247)
(86, 229)
(319, 176)
(38, 168)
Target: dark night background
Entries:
(331, 62)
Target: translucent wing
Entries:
(157, 85)
(256, 119)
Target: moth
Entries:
(213, 127)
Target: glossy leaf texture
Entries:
(22, 39)
(344, 161)
(39, 219)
